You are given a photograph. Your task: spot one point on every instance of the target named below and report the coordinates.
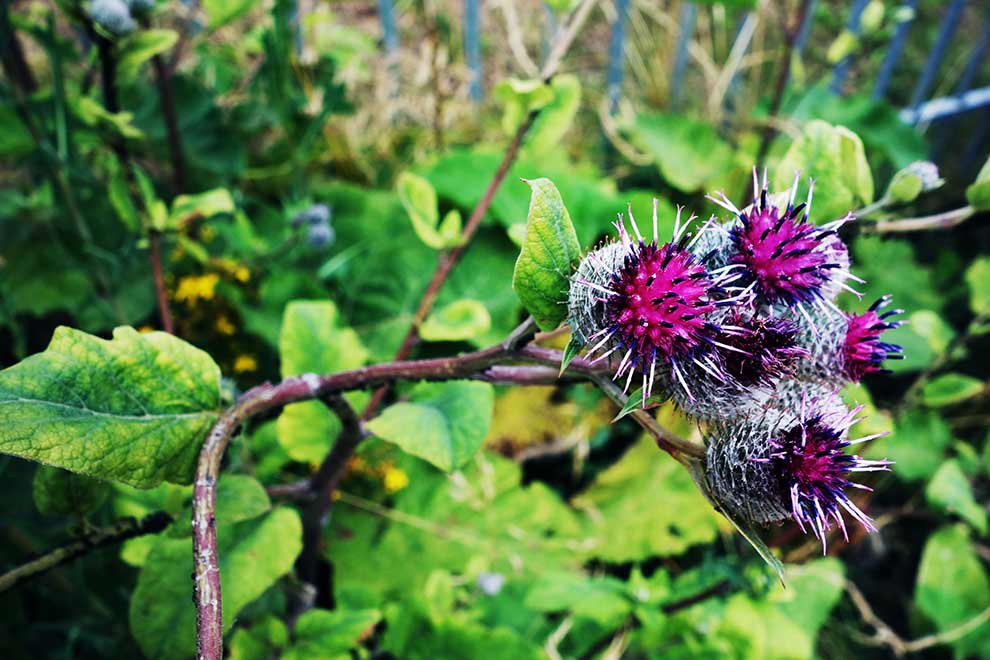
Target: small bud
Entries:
(918, 177)
(114, 16)
(317, 214)
(320, 236)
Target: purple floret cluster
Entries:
(736, 321)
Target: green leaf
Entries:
(252, 555)
(325, 634)
(94, 114)
(978, 279)
(60, 493)
(549, 253)
(239, 497)
(950, 389)
(141, 46)
(950, 490)
(689, 153)
(842, 46)
(646, 505)
(570, 352)
(420, 202)
(457, 321)
(313, 341)
(265, 639)
(135, 408)
(952, 587)
(834, 156)
(222, 12)
(120, 198)
(601, 599)
(978, 192)
(186, 208)
(444, 423)
(917, 444)
(521, 97)
(556, 118)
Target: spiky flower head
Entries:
(844, 347)
(791, 463)
(789, 260)
(648, 303)
(750, 354)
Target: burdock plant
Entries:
(737, 324)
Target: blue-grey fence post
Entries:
(949, 24)
(390, 33)
(472, 47)
(616, 55)
(894, 51)
(805, 29)
(841, 69)
(976, 59)
(685, 24)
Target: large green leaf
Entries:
(950, 389)
(420, 202)
(549, 254)
(952, 585)
(61, 493)
(324, 634)
(556, 117)
(950, 490)
(916, 445)
(689, 153)
(313, 341)
(252, 554)
(602, 599)
(135, 408)
(460, 320)
(443, 423)
(239, 497)
(834, 156)
(141, 46)
(646, 505)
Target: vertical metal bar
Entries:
(976, 59)
(688, 14)
(472, 47)
(390, 32)
(894, 51)
(949, 24)
(841, 69)
(616, 55)
(802, 36)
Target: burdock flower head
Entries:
(650, 304)
(791, 463)
(751, 354)
(789, 260)
(844, 347)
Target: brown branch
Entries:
(925, 223)
(885, 636)
(783, 75)
(100, 538)
(155, 252)
(266, 397)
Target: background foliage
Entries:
(478, 522)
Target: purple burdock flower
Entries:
(650, 304)
(790, 261)
(862, 351)
(791, 463)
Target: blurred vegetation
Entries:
(317, 180)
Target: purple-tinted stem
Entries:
(478, 365)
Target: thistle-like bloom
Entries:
(844, 347)
(788, 259)
(650, 304)
(862, 350)
(789, 465)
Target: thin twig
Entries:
(161, 294)
(514, 38)
(925, 223)
(884, 635)
(100, 538)
(783, 75)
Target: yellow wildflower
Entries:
(242, 274)
(145, 329)
(225, 327)
(197, 287)
(395, 479)
(245, 363)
